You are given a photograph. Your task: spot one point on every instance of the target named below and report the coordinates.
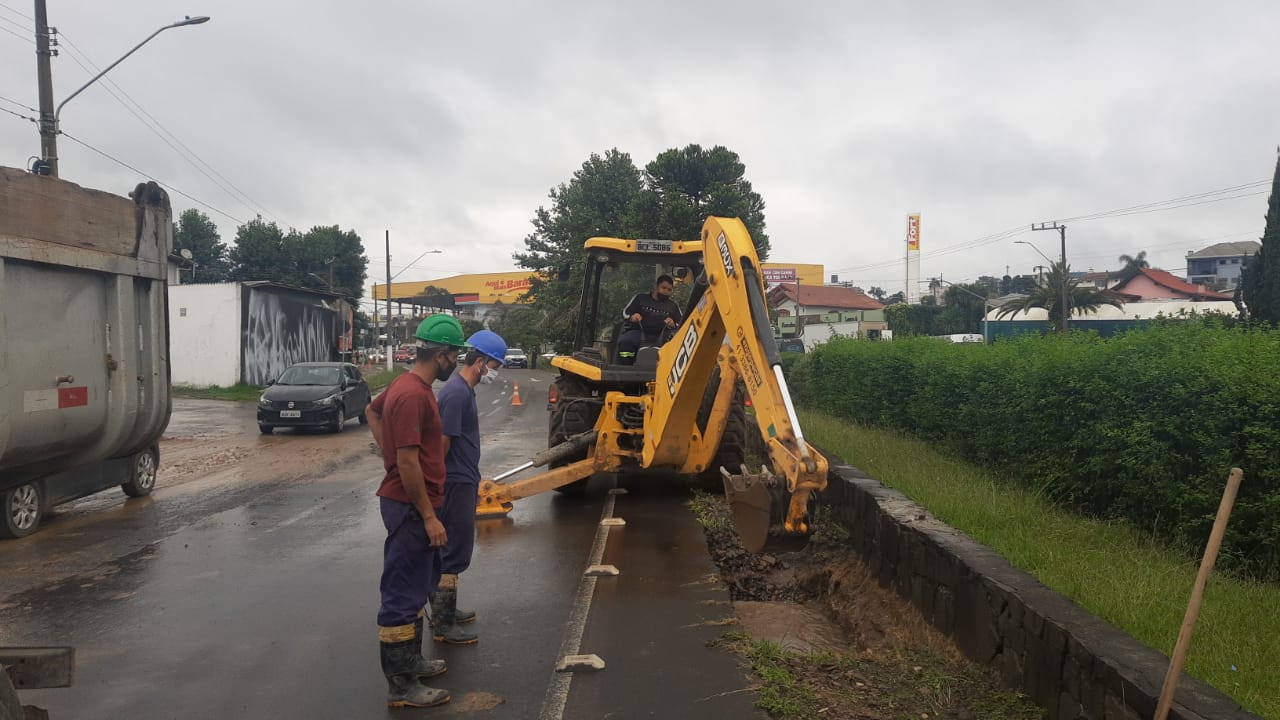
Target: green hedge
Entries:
(1143, 426)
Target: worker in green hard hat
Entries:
(405, 420)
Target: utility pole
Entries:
(44, 75)
(1066, 290)
(388, 289)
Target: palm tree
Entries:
(1048, 295)
(1132, 264)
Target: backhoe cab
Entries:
(680, 407)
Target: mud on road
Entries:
(826, 640)
(212, 457)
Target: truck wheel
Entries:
(574, 413)
(23, 509)
(732, 452)
(142, 473)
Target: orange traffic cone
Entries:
(515, 397)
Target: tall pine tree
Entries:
(1260, 286)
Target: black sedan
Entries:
(320, 395)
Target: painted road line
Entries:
(558, 691)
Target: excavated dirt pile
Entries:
(826, 640)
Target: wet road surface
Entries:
(246, 587)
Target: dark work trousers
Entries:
(630, 341)
(410, 566)
(459, 518)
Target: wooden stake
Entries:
(1197, 594)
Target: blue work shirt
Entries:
(461, 423)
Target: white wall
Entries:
(204, 334)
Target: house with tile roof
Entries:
(1218, 266)
(1153, 284)
(799, 306)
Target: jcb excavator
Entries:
(679, 408)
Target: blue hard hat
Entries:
(490, 344)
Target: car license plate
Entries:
(290, 413)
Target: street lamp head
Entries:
(197, 20)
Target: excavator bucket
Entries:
(759, 503)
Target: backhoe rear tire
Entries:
(732, 452)
(575, 412)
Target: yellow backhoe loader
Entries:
(679, 408)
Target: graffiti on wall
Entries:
(279, 329)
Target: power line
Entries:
(1172, 202)
(17, 12)
(18, 115)
(1201, 198)
(161, 131)
(20, 26)
(149, 177)
(21, 105)
(21, 37)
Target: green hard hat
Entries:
(441, 330)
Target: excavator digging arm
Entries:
(729, 327)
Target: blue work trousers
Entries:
(459, 518)
(410, 566)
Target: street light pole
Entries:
(49, 120)
(1066, 290)
(986, 303)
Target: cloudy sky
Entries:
(447, 123)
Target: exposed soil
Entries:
(828, 641)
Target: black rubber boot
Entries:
(444, 626)
(463, 617)
(423, 667)
(404, 689)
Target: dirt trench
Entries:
(827, 641)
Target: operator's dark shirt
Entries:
(653, 313)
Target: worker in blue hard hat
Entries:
(461, 426)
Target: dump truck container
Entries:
(84, 369)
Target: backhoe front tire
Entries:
(574, 412)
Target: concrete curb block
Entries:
(1067, 660)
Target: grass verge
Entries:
(383, 378)
(251, 393)
(236, 393)
(1108, 568)
(890, 683)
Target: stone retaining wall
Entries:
(1067, 660)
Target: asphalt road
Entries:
(246, 587)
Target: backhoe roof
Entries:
(660, 248)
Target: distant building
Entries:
(1153, 284)
(1106, 320)
(799, 306)
(1218, 266)
(250, 332)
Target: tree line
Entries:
(610, 196)
(325, 258)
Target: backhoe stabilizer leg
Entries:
(495, 499)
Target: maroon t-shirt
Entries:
(411, 418)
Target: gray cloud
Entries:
(447, 123)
